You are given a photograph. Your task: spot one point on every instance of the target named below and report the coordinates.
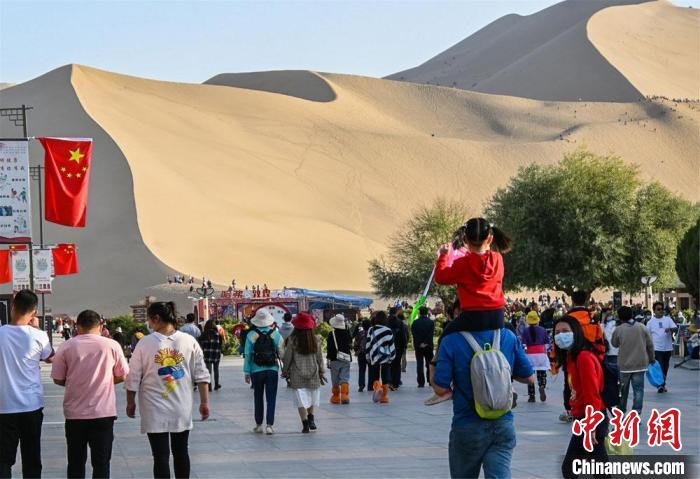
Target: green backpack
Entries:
(491, 378)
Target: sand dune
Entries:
(115, 264)
(290, 191)
(656, 46)
(635, 48)
(297, 83)
(298, 178)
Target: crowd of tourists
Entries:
(486, 345)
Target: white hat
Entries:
(262, 318)
(119, 329)
(338, 321)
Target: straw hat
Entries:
(338, 321)
(532, 317)
(262, 319)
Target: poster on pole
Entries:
(15, 207)
(20, 270)
(43, 270)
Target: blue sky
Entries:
(194, 40)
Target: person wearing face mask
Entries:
(586, 380)
(661, 328)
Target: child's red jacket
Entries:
(479, 279)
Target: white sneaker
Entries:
(269, 430)
(258, 429)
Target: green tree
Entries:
(688, 261)
(412, 253)
(588, 222)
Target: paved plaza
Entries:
(402, 439)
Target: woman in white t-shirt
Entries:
(164, 366)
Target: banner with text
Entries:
(20, 270)
(43, 270)
(15, 206)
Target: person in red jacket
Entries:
(478, 274)
(585, 376)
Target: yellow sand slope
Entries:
(656, 46)
(260, 186)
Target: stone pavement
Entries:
(402, 439)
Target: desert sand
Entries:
(298, 178)
(608, 50)
(656, 46)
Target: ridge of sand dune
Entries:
(115, 264)
(301, 84)
(654, 45)
(290, 191)
(546, 56)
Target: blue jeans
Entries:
(265, 383)
(637, 381)
(487, 443)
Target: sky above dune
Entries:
(191, 41)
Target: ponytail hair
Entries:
(476, 231)
(164, 310)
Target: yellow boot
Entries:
(385, 394)
(335, 398)
(345, 393)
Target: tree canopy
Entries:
(412, 254)
(588, 222)
(688, 261)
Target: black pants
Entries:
(541, 382)
(664, 358)
(161, 445)
(265, 385)
(396, 368)
(96, 433)
(577, 451)
(567, 390)
(423, 355)
(379, 370)
(22, 428)
(215, 367)
(362, 369)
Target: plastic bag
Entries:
(623, 449)
(655, 375)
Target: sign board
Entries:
(43, 270)
(15, 205)
(20, 270)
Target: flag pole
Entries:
(424, 297)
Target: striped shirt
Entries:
(380, 345)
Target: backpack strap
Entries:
(472, 342)
(496, 343)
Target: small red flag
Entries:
(65, 259)
(67, 164)
(5, 266)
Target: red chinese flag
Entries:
(67, 163)
(5, 266)
(65, 259)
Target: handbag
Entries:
(341, 356)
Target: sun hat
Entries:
(262, 318)
(532, 317)
(303, 320)
(338, 321)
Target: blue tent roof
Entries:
(354, 301)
